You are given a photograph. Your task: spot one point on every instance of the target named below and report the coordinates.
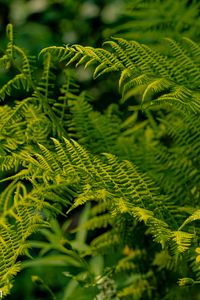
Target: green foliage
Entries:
(174, 78)
(110, 196)
(147, 21)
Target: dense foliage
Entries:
(99, 188)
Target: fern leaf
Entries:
(195, 216)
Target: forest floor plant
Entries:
(110, 196)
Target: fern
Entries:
(148, 21)
(20, 217)
(138, 169)
(141, 66)
(133, 193)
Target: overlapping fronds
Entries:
(111, 181)
(93, 173)
(167, 80)
(148, 21)
(98, 132)
(139, 171)
(21, 215)
(15, 57)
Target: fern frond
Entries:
(99, 208)
(42, 91)
(181, 241)
(18, 206)
(105, 241)
(95, 131)
(19, 81)
(141, 21)
(27, 63)
(155, 73)
(121, 184)
(102, 221)
(136, 289)
(194, 217)
(59, 53)
(127, 181)
(194, 47)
